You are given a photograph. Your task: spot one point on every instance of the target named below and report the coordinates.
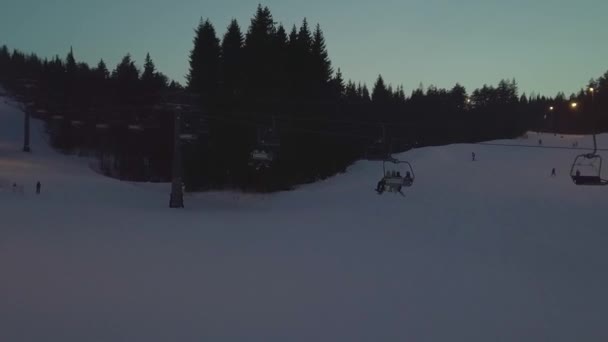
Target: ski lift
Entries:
(397, 174)
(135, 127)
(266, 150)
(193, 129)
(587, 170)
(591, 164)
(187, 133)
(188, 137)
(77, 123)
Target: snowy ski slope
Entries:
(493, 250)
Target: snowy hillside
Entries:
(493, 250)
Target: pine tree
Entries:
(99, 82)
(322, 70)
(261, 58)
(401, 95)
(337, 85)
(71, 88)
(232, 59)
(152, 81)
(125, 79)
(203, 76)
(149, 70)
(102, 70)
(282, 69)
(281, 39)
(293, 36)
(70, 63)
(523, 99)
(302, 66)
(350, 93)
(174, 85)
(365, 94)
(5, 59)
(293, 68)
(380, 93)
(261, 29)
(126, 70)
(304, 39)
(458, 97)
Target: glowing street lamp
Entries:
(592, 91)
(574, 105)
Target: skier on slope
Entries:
(38, 186)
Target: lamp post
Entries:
(553, 118)
(592, 91)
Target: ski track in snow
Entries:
(492, 250)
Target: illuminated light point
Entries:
(551, 108)
(574, 105)
(592, 89)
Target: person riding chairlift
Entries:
(408, 178)
(380, 186)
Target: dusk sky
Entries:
(547, 45)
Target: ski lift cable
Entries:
(351, 133)
(383, 126)
(312, 131)
(538, 147)
(375, 124)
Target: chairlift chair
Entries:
(591, 163)
(587, 170)
(266, 149)
(397, 174)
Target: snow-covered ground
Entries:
(494, 250)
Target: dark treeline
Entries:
(94, 110)
(269, 76)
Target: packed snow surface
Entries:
(492, 250)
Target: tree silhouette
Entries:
(232, 61)
(203, 76)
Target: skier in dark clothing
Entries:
(553, 173)
(473, 155)
(38, 186)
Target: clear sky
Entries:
(547, 45)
